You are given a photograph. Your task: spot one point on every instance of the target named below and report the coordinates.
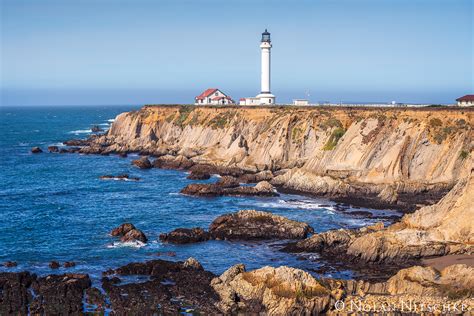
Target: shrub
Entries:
(464, 154)
(296, 133)
(330, 123)
(334, 138)
(435, 122)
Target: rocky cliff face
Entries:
(387, 154)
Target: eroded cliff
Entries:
(386, 154)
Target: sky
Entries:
(96, 52)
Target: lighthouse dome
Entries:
(266, 36)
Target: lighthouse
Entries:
(265, 96)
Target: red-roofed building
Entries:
(467, 100)
(213, 96)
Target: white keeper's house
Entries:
(213, 96)
(467, 100)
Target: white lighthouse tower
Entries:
(265, 96)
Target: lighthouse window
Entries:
(269, 100)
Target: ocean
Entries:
(54, 206)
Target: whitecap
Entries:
(298, 204)
(111, 120)
(81, 131)
(104, 124)
(134, 244)
(57, 144)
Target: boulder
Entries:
(77, 142)
(250, 225)
(122, 229)
(220, 170)
(185, 235)
(192, 263)
(54, 265)
(36, 150)
(142, 163)
(134, 235)
(197, 175)
(128, 232)
(266, 175)
(53, 149)
(69, 150)
(96, 129)
(171, 162)
(199, 189)
(388, 195)
(69, 264)
(10, 264)
(227, 182)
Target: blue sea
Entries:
(55, 207)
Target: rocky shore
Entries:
(174, 287)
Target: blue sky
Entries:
(166, 51)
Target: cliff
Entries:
(390, 155)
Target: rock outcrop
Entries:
(128, 232)
(270, 291)
(24, 293)
(226, 187)
(185, 235)
(251, 224)
(443, 228)
(242, 225)
(185, 283)
(142, 163)
(36, 150)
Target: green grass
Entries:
(184, 112)
(334, 138)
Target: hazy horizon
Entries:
(122, 52)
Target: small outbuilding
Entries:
(467, 100)
(213, 96)
(300, 102)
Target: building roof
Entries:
(467, 97)
(206, 93)
(222, 97)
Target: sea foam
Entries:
(134, 244)
(80, 131)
